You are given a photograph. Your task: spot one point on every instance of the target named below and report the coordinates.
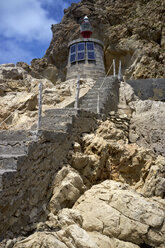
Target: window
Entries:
(80, 51)
(81, 46)
(73, 54)
(77, 52)
(73, 49)
(90, 51)
(90, 46)
(91, 56)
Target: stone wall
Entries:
(153, 89)
(27, 191)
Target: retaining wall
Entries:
(153, 89)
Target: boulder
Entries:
(68, 186)
(155, 182)
(113, 209)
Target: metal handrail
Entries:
(98, 96)
(114, 74)
(76, 105)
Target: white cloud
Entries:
(24, 23)
(25, 19)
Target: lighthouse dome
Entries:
(86, 28)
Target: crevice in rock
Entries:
(144, 245)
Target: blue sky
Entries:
(25, 27)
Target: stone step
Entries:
(64, 111)
(56, 119)
(61, 127)
(93, 100)
(96, 90)
(95, 95)
(92, 96)
(19, 135)
(90, 105)
(92, 109)
(13, 148)
(7, 172)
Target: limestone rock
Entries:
(155, 181)
(40, 239)
(11, 72)
(129, 216)
(74, 236)
(147, 127)
(106, 154)
(68, 187)
(19, 93)
(60, 231)
(104, 241)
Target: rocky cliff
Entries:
(110, 193)
(111, 187)
(102, 185)
(132, 31)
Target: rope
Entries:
(10, 115)
(105, 77)
(98, 96)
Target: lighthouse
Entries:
(86, 56)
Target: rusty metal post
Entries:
(76, 105)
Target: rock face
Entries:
(132, 31)
(130, 221)
(123, 204)
(129, 216)
(102, 183)
(146, 119)
(147, 125)
(19, 93)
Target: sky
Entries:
(25, 27)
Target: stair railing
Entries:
(114, 74)
(119, 72)
(39, 106)
(76, 105)
(98, 94)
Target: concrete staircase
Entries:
(59, 120)
(25, 156)
(13, 145)
(107, 97)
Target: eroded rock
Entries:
(68, 187)
(129, 216)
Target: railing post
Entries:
(98, 103)
(114, 68)
(77, 93)
(119, 71)
(39, 106)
